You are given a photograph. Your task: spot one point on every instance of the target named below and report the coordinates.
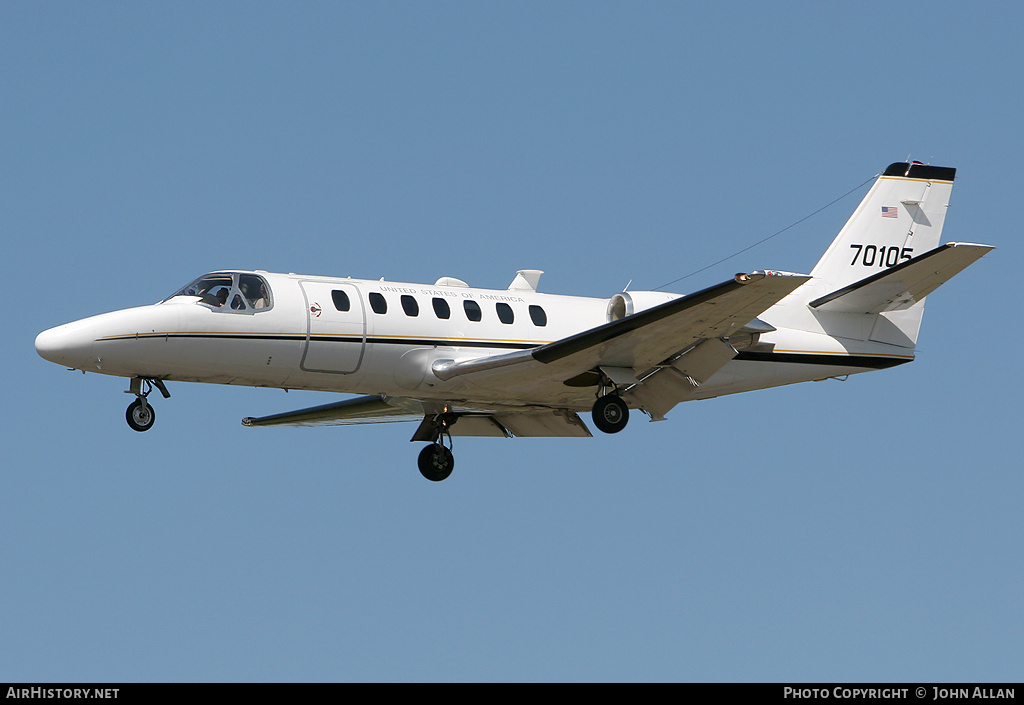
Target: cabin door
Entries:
(335, 328)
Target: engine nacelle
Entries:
(629, 302)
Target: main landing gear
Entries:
(140, 415)
(436, 461)
(610, 413)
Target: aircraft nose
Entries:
(69, 344)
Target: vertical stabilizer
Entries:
(900, 218)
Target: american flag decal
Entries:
(889, 212)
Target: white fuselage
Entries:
(301, 340)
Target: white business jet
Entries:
(481, 362)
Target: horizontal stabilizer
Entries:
(900, 287)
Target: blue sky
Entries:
(860, 531)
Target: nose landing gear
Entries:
(140, 415)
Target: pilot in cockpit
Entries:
(221, 297)
(255, 292)
(263, 299)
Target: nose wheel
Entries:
(140, 414)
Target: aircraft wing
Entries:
(368, 409)
(638, 342)
(470, 421)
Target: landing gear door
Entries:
(335, 328)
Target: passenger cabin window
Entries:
(410, 306)
(538, 316)
(441, 308)
(378, 303)
(341, 301)
(505, 314)
(247, 293)
(472, 309)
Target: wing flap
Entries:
(476, 425)
(548, 424)
(904, 285)
(669, 385)
(537, 423)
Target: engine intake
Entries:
(627, 303)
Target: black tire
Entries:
(436, 462)
(610, 414)
(139, 417)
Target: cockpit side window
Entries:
(247, 293)
(255, 291)
(212, 290)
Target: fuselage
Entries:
(379, 337)
(317, 333)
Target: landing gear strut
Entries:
(436, 461)
(140, 415)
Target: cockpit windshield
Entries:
(229, 291)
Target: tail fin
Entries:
(887, 258)
(900, 218)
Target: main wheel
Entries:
(436, 462)
(610, 413)
(140, 417)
